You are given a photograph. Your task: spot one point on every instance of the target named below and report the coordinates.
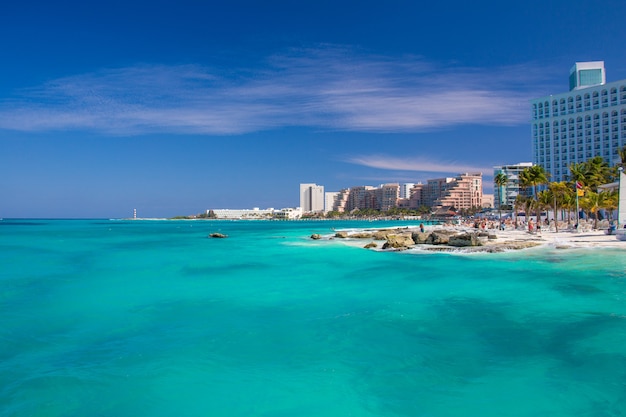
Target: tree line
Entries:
(584, 176)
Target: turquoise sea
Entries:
(152, 318)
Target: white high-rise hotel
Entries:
(311, 198)
(587, 121)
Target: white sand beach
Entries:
(562, 239)
(498, 240)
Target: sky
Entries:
(173, 108)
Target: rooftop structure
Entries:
(586, 74)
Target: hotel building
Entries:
(587, 121)
(462, 192)
(506, 195)
(329, 200)
(311, 198)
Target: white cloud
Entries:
(327, 87)
(415, 164)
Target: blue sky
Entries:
(176, 107)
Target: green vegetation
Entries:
(500, 180)
(562, 195)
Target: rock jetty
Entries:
(439, 240)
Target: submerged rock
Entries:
(316, 236)
(218, 235)
(371, 245)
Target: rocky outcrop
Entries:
(363, 235)
(441, 240)
(440, 237)
(218, 235)
(420, 238)
(403, 241)
(465, 239)
(381, 235)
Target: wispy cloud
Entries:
(415, 164)
(327, 87)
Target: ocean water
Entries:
(152, 318)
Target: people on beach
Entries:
(422, 227)
(530, 226)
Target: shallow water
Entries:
(127, 318)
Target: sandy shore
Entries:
(504, 239)
(562, 239)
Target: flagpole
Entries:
(577, 212)
(577, 186)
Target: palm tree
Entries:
(559, 190)
(500, 180)
(533, 177)
(569, 203)
(598, 172)
(592, 202)
(591, 173)
(544, 200)
(577, 172)
(609, 202)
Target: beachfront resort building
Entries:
(329, 200)
(312, 198)
(587, 121)
(405, 190)
(507, 194)
(364, 197)
(465, 191)
(255, 214)
(245, 214)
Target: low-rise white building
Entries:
(243, 214)
(288, 213)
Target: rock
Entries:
(341, 235)
(381, 235)
(439, 237)
(316, 236)
(403, 241)
(361, 235)
(371, 245)
(492, 237)
(218, 235)
(420, 238)
(464, 239)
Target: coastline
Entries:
(498, 240)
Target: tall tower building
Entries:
(587, 121)
(311, 198)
